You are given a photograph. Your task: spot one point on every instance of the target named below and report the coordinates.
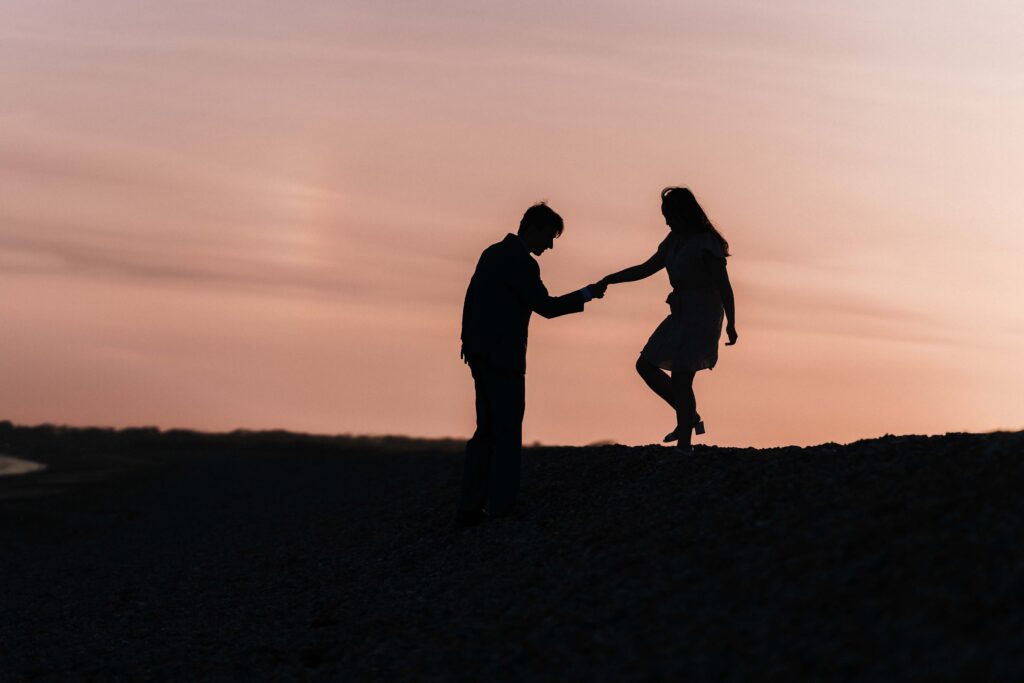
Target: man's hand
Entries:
(597, 289)
(730, 330)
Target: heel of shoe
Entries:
(698, 429)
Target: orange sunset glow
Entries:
(265, 215)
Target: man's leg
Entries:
(478, 453)
(508, 403)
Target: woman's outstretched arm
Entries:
(634, 273)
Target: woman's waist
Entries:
(694, 294)
(694, 301)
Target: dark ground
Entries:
(141, 555)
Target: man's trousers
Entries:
(491, 472)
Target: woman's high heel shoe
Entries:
(698, 428)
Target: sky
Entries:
(264, 215)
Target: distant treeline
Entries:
(17, 439)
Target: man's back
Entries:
(495, 321)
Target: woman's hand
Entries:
(730, 330)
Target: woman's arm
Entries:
(634, 273)
(721, 279)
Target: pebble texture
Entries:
(146, 555)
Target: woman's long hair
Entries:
(683, 214)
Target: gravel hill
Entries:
(148, 555)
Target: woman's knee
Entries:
(644, 367)
(683, 379)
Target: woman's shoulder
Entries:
(670, 240)
(710, 243)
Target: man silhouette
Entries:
(505, 290)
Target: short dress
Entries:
(687, 340)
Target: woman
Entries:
(686, 341)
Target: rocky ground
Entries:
(145, 555)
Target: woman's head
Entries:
(683, 214)
(681, 210)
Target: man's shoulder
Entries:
(509, 250)
(494, 249)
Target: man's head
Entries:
(539, 228)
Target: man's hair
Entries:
(541, 215)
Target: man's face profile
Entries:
(540, 238)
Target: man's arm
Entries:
(536, 296)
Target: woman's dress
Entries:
(687, 340)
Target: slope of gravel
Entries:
(228, 558)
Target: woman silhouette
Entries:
(686, 341)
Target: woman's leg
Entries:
(686, 405)
(661, 384)
(657, 380)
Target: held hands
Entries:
(597, 289)
(600, 286)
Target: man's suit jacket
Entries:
(505, 289)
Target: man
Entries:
(504, 291)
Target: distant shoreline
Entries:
(10, 466)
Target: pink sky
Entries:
(265, 215)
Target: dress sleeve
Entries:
(712, 246)
(663, 247)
